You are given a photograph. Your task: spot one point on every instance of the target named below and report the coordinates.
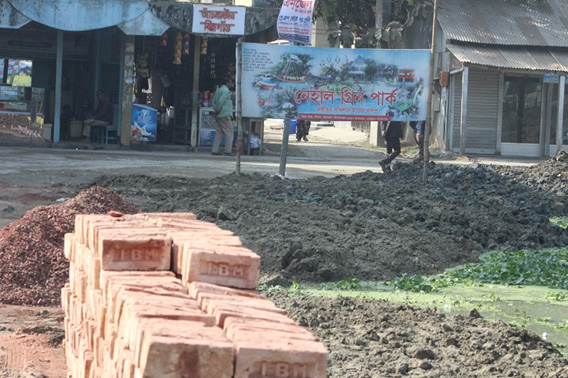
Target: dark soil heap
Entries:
(371, 226)
(372, 339)
(33, 268)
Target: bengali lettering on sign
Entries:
(295, 21)
(218, 20)
(300, 82)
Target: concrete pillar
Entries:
(127, 91)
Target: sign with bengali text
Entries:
(218, 20)
(295, 21)
(299, 82)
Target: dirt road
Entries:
(326, 227)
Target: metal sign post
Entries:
(239, 107)
(284, 148)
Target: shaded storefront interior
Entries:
(148, 56)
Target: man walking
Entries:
(392, 132)
(223, 107)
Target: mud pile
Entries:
(371, 226)
(368, 338)
(33, 268)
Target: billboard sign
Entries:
(298, 82)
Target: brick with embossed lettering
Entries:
(133, 250)
(223, 265)
(274, 358)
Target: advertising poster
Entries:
(144, 126)
(218, 20)
(1, 70)
(295, 21)
(312, 83)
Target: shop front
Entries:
(157, 62)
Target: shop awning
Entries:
(80, 15)
(10, 18)
(145, 24)
(133, 17)
(522, 58)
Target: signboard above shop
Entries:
(218, 20)
(299, 82)
(551, 78)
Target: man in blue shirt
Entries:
(223, 107)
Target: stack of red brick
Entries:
(165, 295)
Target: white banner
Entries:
(218, 20)
(295, 21)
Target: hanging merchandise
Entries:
(213, 71)
(185, 44)
(177, 49)
(142, 64)
(203, 45)
(164, 41)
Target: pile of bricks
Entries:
(164, 295)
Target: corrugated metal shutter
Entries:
(456, 96)
(482, 109)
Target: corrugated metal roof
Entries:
(498, 22)
(522, 58)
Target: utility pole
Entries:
(428, 125)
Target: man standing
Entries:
(392, 132)
(223, 107)
(101, 117)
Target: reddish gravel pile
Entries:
(33, 268)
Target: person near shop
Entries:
(392, 132)
(223, 108)
(302, 130)
(418, 127)
(67, 115)
(102, 116)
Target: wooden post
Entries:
(195, 91)
(428, 125)
(463, 121)
(127, 90)
(560, 119)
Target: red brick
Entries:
(228, 266)
(289, 359)
(208, 302)
(168, 216)
(243, 324)
(223, 313)
(69, 245)
(203, 353)
(134, 251)
(194, 288)
(128, 328)
(132, 276)
(193, 235)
